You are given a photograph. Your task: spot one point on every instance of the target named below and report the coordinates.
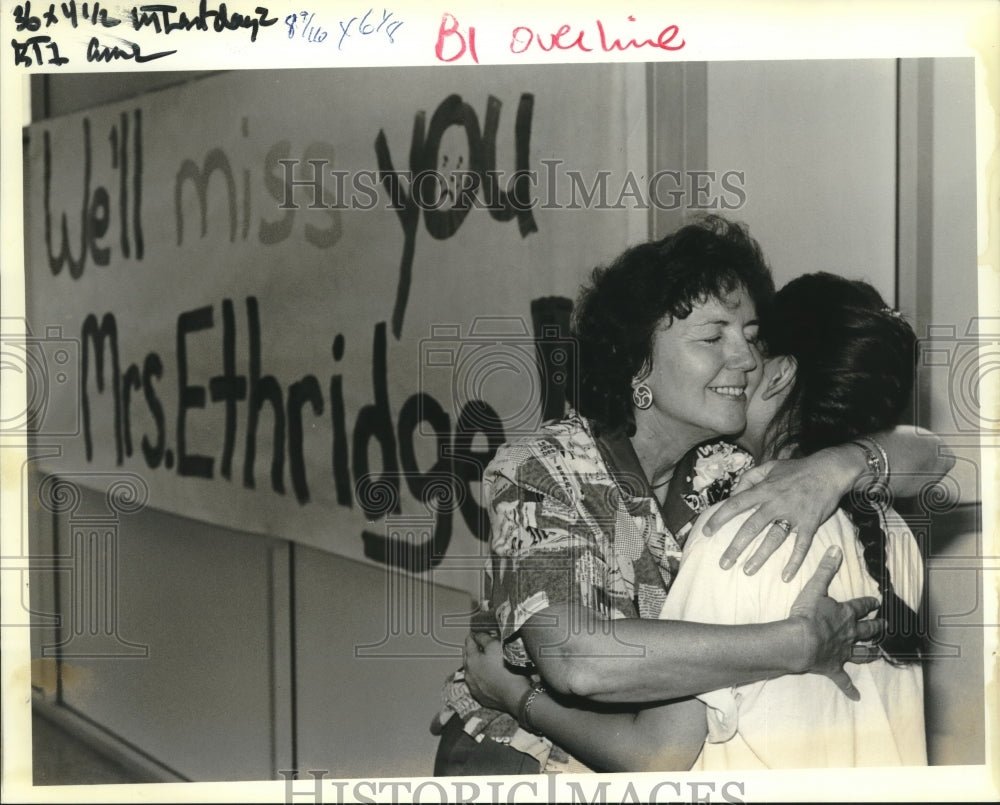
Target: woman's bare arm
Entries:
(641, 660)
(666, 737)
(806, 491)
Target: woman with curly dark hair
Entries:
(590, 515)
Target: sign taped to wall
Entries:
(312, 304)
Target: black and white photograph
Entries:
(536, 404)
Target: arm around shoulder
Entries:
(917, 459)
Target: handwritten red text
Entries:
(588, 39)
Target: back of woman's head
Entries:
(617, 314)
(854, 355)
(855, 362)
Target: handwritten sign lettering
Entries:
(97, 205)
(366, 247)
(111, 385)
(244, 396)
(441, 223)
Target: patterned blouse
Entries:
(574, 521)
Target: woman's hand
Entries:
(834, 630)
(803, 492)
(490, 681)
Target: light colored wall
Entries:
(816, 141)
(955, 584)
(228, 633)
(199, 598)
(955, 276)
(368, 679)
(953, 675)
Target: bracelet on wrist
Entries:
(520, 705)
(524, 708)
(877, 460)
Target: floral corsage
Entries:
(716, 470)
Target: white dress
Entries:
(801, 721)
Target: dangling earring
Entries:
(642, 396)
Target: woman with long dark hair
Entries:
(839, 365)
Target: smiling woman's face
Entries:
(704, 368)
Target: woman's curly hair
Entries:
(618, 313)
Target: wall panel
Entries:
(199, 598)
(816, 143)
(372, 649)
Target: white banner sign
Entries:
(311, 304)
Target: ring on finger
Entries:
(783, 524)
